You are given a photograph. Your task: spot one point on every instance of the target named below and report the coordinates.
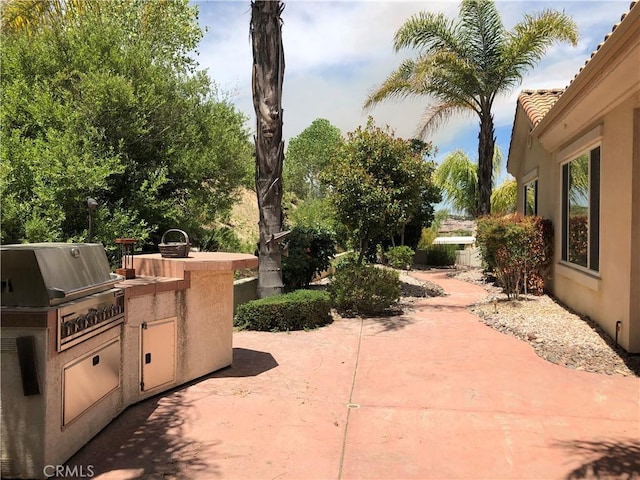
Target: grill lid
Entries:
(47, 274)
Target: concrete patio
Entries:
(433, 394)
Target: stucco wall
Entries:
(199, 303)
(605, 296)
(32, 436)
(244, 290)
(22, 416)
(209, 329)
(634, 294)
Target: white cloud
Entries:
(336, 52)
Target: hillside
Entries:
(245, 216)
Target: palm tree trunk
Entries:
(486, 147)
(268, 73)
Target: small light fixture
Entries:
(126, 252)
(92, 204)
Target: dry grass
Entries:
(245, 216)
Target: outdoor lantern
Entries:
(126, 252)
(92, 204)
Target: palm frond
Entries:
(529, 40)
(451, 78)
(440, 74)
(29, 15)
(436, 115)
(497, 161)
(22, 14)
(484, 33)
(396, 85)
(426, 32)
(457, 177)
(503, 198)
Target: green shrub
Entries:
(364, 290)
(400, 257)
(310, 252)
(348, 259)
(441, 255)
(302, 309)
(518, 249)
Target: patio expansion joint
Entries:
(488, 411)
(350, 402)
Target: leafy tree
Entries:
(465, 64)
(108, 103)
(268, 74)
(313, 213)
(308, 154)
(378, 185)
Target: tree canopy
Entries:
(464, 64)
(379, 183)
(308, 155)
(108, 103)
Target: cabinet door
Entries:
(88, 379)
(158, 353)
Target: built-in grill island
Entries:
(79, 344)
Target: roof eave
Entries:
(585, 76)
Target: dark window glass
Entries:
(594, 211)
(531, 198)
(581, 210)
(565, 213)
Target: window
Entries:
(530, 197)
(581, 210)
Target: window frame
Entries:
(594, 156)
(525, 203)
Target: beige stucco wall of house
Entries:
(601, 106)
(605, 296)
(634, 307)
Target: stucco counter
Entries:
(179, 319)
(178, 326)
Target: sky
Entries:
(337, 52)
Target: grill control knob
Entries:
(76, 325)
(90, 319)
(65, 329)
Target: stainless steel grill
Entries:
(74, 279)
(89, 316)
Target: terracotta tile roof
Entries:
(536, 103)
(606, 37)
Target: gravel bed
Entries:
(556, 333)
(412, 287)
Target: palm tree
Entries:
(457, 177)
(465, 64)
(268, 74)
(29, 15)
(504, 197)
